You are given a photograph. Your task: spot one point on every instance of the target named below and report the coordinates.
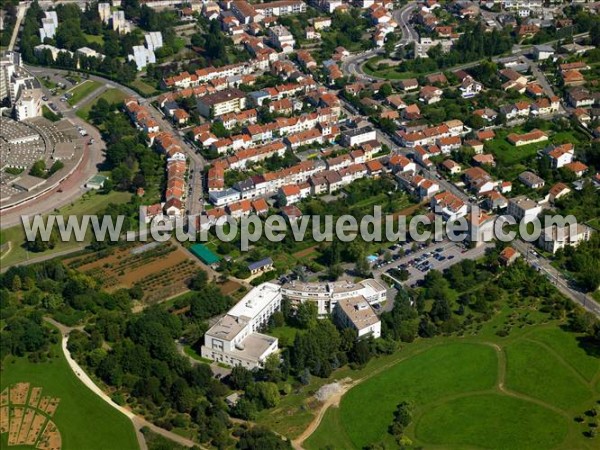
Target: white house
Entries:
(235, 339)
(358, 314)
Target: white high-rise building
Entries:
(49, 25)
(29, 104)
(104, 12)
(10, 62)
(154, 40)
(142, 57)
(235, 339)
(119, 23)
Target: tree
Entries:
(403, 414)
(267, 394)
(259, 438)
(385, 90)
(240, 377)
(38, 169)
(16, 283)
(440, 311)
(244, 409)
(361, 353)
(199, 281)
(362, 267)
(307, 315)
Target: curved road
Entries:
(353, 64)
(138, 421)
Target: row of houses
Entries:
(175, 192)
(315, 176)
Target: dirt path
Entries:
(333, 400)
(502, 388)
(138, 421)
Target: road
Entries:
(138, 421)
(402, 17)
(20, 15)
(197, 162)
(352, 65)
(73, 187)
(556, 277)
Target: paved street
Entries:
(197, 162)
(567, 288)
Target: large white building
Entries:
(49, 25)
(554, 238)
(29, 104)
(104, 12)
(154, 40)
(235, 338)
(357, 313)
(142, 56)
(523, 208)
(21, 88)
(354, 137)
(281, 38)
(222, 102)
(326, 295)
(10, 63)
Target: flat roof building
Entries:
(326, 295)
(235, 338)
(222, 102)
(357, 313)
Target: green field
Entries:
(82, 90)
(112, 95)
(519, 392)
(389, 73)
(83, 419)
(90, 203)
(143, 88)
(496, 415)
(92, 38)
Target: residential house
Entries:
(557, 191)
(508, 256)
(430, 94)
(470, 88)
(523, 208)
(263, 265)
(577, 167)
(527, 138)
(452, 167)
(484, 159)
(560, 155)
(448, 205)
(531, 180)
(554, 238)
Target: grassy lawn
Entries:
(594, 223)
(91, 38)
(478, 391)
(534, 370)
(451, 369)
(508, 154)
(389, 73)
(492, 413)
(143, 88)
(82, 90)
(112, 95)
(83, 419)
(90, 203)
(285, 334)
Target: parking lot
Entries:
(437, 255)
